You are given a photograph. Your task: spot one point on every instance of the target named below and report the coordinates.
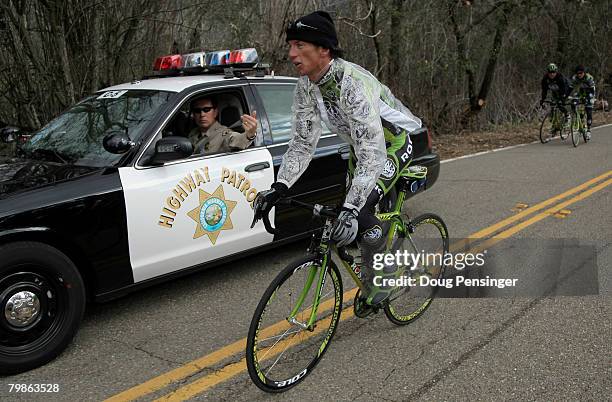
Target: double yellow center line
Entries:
(237, 348)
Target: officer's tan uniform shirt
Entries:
(217, 138)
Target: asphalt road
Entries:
(539, 347)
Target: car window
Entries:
(76, 135)
(277, 100)
(231, 105)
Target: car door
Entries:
(324, 180)
(196, 210)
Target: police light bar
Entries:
(171, 62)
(218, 58)
(192, 60)
(244, 56)
(205, 61)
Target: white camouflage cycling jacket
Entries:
(355, 105)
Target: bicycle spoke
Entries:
(277, 359)
(280, 336)
(275, 343)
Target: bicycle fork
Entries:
(312, 274)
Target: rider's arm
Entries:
(591, 83)
(306, 129)
(361, 105)
(544, 89)
(573, 86)
(563, 86)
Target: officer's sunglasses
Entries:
(205, 109)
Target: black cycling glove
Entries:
(266, 199)
(345, 228)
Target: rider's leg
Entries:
(371, 238)
(566, 115)
(589, 113)
(561, 103)
(372, 232)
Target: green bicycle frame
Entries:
(309, 280)
(555, 119)
(578, 123)
(397, 225)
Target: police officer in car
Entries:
(210, 136)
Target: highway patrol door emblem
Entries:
(212, 215)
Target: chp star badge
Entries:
(212, 214)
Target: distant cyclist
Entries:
(583, 85)
(365, 114)
(554, 81)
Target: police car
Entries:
(108, 197)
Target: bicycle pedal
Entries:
(362, 309)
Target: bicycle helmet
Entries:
(552, 68)
(580, 68)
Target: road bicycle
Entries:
(553, 122)
(578, 126)
(297, 316)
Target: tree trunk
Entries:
(477, 103)
(378, 70)
(396, 31)
(97, 51)
(492, 63)
(462, 52)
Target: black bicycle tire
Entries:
(252, 363)
(542, 140)
(389, 312)
(575, 133)
(565, 130)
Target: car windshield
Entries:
(76, 135)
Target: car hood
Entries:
(17, 175)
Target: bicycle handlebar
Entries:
(317, 210)
(557, 102)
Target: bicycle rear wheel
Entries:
(280, 353)
(429, 237)
(546, 128)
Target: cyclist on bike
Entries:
(559, 88)
(365, 114)
(583, 85)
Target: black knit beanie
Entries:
(317, 28)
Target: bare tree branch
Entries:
(352, 23)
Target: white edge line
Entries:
(488, 152)
(506, 148)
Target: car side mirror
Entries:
(9, 134)
(171, 148)
(117, 142)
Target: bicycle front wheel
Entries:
(566, 129)
(281, 350)
(427, 237)
(546, 128)
(575, 130)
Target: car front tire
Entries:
(42, 301)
